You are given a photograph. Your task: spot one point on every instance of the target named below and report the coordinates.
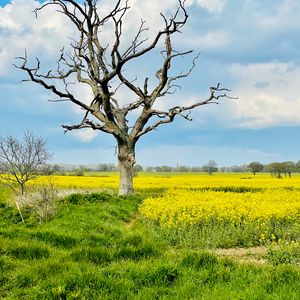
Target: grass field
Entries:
(182, 236)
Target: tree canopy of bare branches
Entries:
(21, 161)
(102, 68)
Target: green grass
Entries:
(211, 234)
(284, 254)
(97, 248)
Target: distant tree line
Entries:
(79, 170)
(276, 169)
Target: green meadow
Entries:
(98, 247)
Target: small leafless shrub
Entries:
(22, 161)
(42, 201)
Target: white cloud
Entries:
(280, 17)
(45, 35)
(19, 29)
(85, 135)
(215, 39)
(269, 94)
(212, 6)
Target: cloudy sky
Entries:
(250, 46)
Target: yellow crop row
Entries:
(178, 208)
(79, 182)
(175, 180)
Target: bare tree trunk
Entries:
(126, 157)
(22, 188)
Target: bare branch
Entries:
(172, 26)
(136, 41)
(21, 161)
(35, 77)
(170, 85)
(216, 93)
(86, 123)
(129, 84)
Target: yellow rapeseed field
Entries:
(192, 199)
(175, 180)
(186, 207)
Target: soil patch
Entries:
(247, 255)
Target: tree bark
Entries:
(126, 158)
(22, 188)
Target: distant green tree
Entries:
(196, 169)
(297, 166)
(136, 169)
(163, 169)
(183, 169)
(56, 169)
(276, 169)
(79, 172)
(255, 167)
(106, 167)
(211, 167)
(238, 169)
(288, 167)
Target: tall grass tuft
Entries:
(95, 255)
(28, 252)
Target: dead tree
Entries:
(102, 68)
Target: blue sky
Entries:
(250, 46)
